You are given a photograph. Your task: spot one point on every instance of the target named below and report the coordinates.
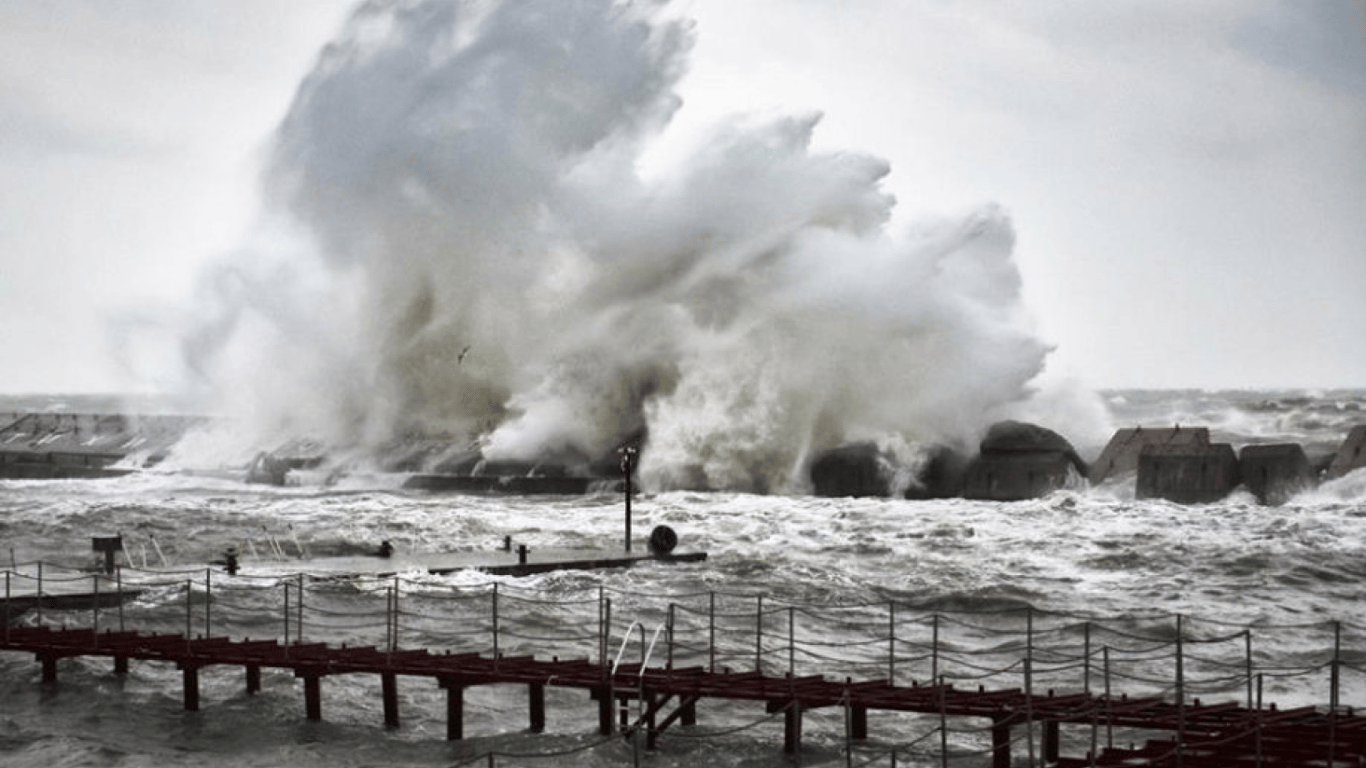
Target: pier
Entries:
(986, 687)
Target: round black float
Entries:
(662, 540)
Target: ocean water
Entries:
(832, 574)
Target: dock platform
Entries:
(496, 563)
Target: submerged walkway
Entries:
(990, 683)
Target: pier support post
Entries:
(253, 679)
(792, 728)
(651, 730)
(190, 685)
(1051, 740)
(49, 668)
(455, 708)
(389, 682)
(313, 698)
(858, 723)
(536, 697)
(688, 712)
(604, 697)
(1000, 743)
(120, 665)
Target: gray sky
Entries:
(1187, 179)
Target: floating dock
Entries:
(498, 563)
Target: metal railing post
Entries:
(891, 643)
(398, 593)
(759, 634)
(118, 584)
(669, 662)
(389, 618)
(934, 649)
(208, 602)
(299, 633)
(711, 632)
(1109, 703)
(1086, 658)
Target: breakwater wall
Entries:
(1014, 461)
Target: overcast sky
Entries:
(1187, 179)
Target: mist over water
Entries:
(460, 240)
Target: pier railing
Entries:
(1182, 659)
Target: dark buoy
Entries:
(662, 540)
(385, 549)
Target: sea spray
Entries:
(470, 251)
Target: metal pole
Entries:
(1109, 715)
(1337, 661)
(934, 650)
(189, 609)
(759, 634)
(1247, 638)
(602, 629)
(118, 583)
(627, 454)
(299, 635)
(670, 629)
(891, 643)
(607, 629)
(1086, 659)
(711, 631)
(495, 623)
(95, 603)
(791, 642)
(286, 585)
(389, 619)
(40, 591)
(208, 602)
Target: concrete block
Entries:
(1014, 476)
(1187, 474)
(1121, 453)
(1352, 455)
(1276, 472)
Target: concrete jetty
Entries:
(1014, 461)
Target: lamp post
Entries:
(628, 455)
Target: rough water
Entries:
(1288, 570)
(477, 227)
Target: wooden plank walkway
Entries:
(1209, 736)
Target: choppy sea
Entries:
(1293, 574)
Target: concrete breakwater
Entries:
(1014, 461)
(1017, 461)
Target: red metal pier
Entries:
(702, 639)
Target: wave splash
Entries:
(460, 241)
